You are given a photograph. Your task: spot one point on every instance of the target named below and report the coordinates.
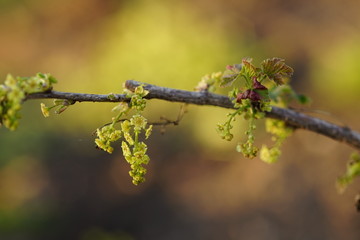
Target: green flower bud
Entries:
(128, 138)
(10, 81)
(141, 91)
(139, 122)
(125, 148)
(111, 96)
(269, 155)
(109, 149)
(115, 135)
(126, 126)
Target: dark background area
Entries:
(54, 184)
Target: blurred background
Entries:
(54, 184)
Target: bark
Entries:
(290, 117)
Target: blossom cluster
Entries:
(253, 92)
(14, 91)
(130, 131)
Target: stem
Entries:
(292, 118)
(136, 139)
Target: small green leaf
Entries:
(40, 75)
(228, 80)
(276, 70)
(248, 71)
(52, 79)
(352, 171)
(302, 99)
(269, 155)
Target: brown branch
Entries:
(291, 117)
(79, 97)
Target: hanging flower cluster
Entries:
(130, 131)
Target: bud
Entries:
(257, 85)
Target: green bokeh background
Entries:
(55, 185)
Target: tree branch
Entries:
(291, 117)
(79, 97)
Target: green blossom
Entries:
(140, 91)
(10, 81)
(139, 122)
(247, 149)
(352, 171)
(136, 158)
(126, 126)
(126, 150)
(137, 100)
(279, 132)
(133, 150)
(44, 110)
(137, 175)
(16, 95)
(252, 101)
(128, 138)
(105, 136)
(278, 128)
(209, 82)
(270, 155)
(13, 92)
(115, 135)
(138, 103)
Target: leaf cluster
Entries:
(254, 90)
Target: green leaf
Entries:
(352, 171)
(227, 80)
(303, 99)
(276, 70)
(248, 71)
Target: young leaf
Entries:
(276, 70)
(227, 80)
(352, 171)
(248, 68)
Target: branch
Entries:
(291, 117)
(78, 97)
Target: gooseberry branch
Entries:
(292, 118)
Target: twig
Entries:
(164, 121)
(79, 97)
(291, 117)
